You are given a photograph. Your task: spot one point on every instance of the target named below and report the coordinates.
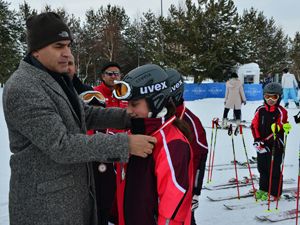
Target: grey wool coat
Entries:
(234, 95)
(51, 176)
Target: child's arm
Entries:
(255, 126)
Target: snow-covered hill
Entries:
(208, 212)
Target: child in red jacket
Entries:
(157, 190)
(266, 115)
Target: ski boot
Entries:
(259, 194)
(224, 123)
(297, 104)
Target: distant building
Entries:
(249, 73)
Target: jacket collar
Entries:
(150, 126)
(105, 90)
(39, 72)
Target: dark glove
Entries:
(244, 102)
(195, 202)
(260, 147)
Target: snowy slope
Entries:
(208, 212)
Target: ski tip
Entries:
(227, 207)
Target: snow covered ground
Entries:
(208, 212)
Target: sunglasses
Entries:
(112, 73)
(122, 90)
(271, 97)
(88, 96)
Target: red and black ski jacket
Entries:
(199, 145)
(264, 117)
(157, 190)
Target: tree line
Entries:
(204, 39)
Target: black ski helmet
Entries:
(177, 86)
(273, 88)
(151, 82)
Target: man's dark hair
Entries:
(109, 64)
(285, 70)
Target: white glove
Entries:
(195, 202)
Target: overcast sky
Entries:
(285, 12)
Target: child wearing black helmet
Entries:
(264, 141)
(199, 142)
(157, 189)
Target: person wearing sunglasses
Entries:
(104, 173)
(51, 179)
(199, 142)
(271, 112)
(157, 190)
(110, 72)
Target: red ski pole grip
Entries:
(241, 129)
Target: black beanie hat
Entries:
(44, 29)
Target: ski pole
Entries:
(297, 200)
(230, 133)
(249, 168)
(275, 128)
(214, 149)
(211, 141)
(286, 127)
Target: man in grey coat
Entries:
(51, 174)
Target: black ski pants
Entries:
(263, 166)
(236, 112)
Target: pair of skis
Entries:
(243, 183)
(288, 196)
(245, 195)
(279, 216)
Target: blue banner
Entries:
(253, 92)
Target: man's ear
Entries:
(35, 54)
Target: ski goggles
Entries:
(272, 97)
(122, 90)
(112, 73)
(88, 96)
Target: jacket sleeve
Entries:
(295, 82)
(255, 125)
(102, 118)
(226, 92)
(36, 119)
(242, 93)
(283, 81)
(172, 171)
(200, 149)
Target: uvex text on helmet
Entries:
(151, 82)
(176, 84)
(273, 88)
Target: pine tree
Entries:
(295, 55)
(10, 54)
(264, 42)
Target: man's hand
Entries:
(141, 145)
